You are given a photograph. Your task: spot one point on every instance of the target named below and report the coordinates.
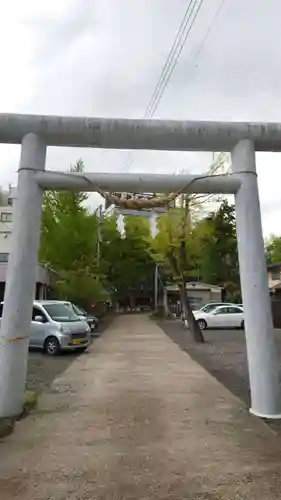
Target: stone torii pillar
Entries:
(261, 348)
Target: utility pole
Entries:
(99, 215)
(156, 288)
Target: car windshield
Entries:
(61, 312)
(208, 308)
(78, 310)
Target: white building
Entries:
(7, 199)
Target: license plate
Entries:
(78, 341)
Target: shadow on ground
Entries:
(223, 355)
(42, 369)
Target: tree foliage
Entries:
(218, 260)
(273, 249)
(126, 259)
(69, 244)
(90, 255)
(176, 247)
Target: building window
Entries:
(6, 217)
(4, 257)
(275, 274)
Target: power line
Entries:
(158, 98)
(221, 156)
(171, 61)
(168, 63)
(199, 50)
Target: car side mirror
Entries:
(39, 319)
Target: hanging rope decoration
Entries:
(144, 204)
(137, 204)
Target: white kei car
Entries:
(224, 316)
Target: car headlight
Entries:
(88, 329)
(65, 330)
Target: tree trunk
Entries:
(165, 302)
(195, 331)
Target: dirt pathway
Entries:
(137, 419)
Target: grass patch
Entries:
(30, 402)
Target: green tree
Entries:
(218, 262)
(273, 249)
(69, 244)
(126, 260)
(176, 247)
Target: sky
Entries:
(103, 58)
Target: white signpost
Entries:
(36, 133)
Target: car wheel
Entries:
(242, 325)
(202, 324)
(52, 346)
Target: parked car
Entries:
(212, 305)
(226, 316)
(82, 314)
(209, 307)
(55, 327)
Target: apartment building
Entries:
(43, 279)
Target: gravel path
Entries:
(137, 419)
(223, 355)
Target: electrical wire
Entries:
(199, 50)
(171, 61)
(222, 155)
(159, 90)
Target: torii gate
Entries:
(35, 133)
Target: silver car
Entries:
(55, 327)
